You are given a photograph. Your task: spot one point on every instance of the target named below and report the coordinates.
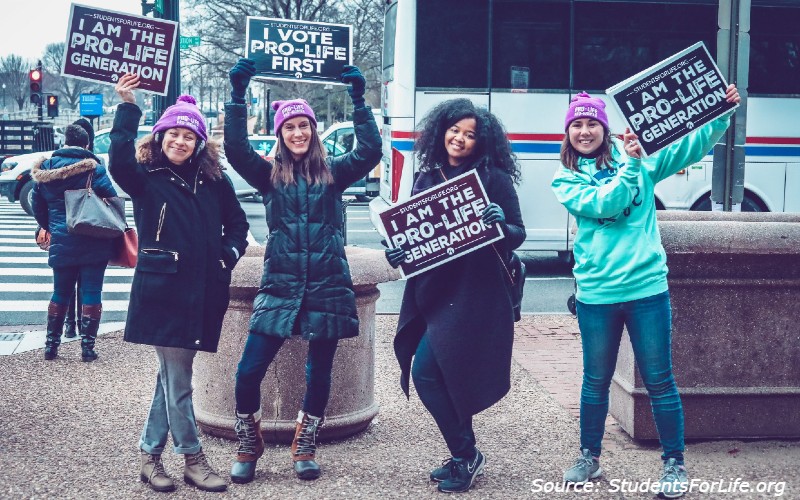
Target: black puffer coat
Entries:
(465, 309)
(306, 277)
(187, 237)
(69, 168)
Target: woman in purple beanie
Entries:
(306, 288)
(192, 232)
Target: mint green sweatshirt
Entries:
(618, 251)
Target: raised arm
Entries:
(250, 165)
(122, 162)
(351, 167)
(581, 196)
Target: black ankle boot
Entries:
(90, 323)
(55, 325)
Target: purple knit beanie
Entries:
(585, 106)
(284, 110)
(183, 114)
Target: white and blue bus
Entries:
(525, 59)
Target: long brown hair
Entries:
(312, 166)
(569, 157)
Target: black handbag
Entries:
(91, 215)
(515, 272)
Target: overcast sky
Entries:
(28, 26)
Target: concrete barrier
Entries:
(352, 404)
(734, 282)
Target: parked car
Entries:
(16, 183)
(339, 139)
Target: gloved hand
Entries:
(353, 76)
(395, 256)
(493, 213)
(240, 75)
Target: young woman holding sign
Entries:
(456, 320)
(621, 272)
(306, 287)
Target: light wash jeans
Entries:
(171, 409)
(649, 322)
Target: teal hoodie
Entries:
(618, 251)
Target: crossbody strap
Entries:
(499, 257)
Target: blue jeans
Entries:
(260, 350)
(91, 277)
(649, 322)
(171, 409)
(429, 382)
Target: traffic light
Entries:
(52, 106)
(35, 77)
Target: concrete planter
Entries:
(734, 281)
(352, 405)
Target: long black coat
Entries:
(69, 168)
(187, 234)
(464, 308)
(306, 277)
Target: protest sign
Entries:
(298, 50)
(667, 101)
(102, 45)
(440, 224)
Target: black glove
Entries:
(493, 213)
(353, 76)
(240, 75)
(395, 256)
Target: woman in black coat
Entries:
(72, 256)
(456, 320)
(306, 287)
(192, 232)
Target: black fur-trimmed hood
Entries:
(148, 152)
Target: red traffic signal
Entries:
(35, 77)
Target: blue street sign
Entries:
(91, 105)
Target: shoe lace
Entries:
(158, 466)
(202, 462)
(583, 462)
(306, 441)
(670, 473)
(246, 432)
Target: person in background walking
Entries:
(456, 320)
(306, 288)
(71, 256)
(75, 299)
(192, 232)
(621, 272)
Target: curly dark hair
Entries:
(492, 148)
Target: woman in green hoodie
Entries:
(621, 272)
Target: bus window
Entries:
(531, 45)
(614, 40)
(389, 28)
(453, 53)
(774, 50)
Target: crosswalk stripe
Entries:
(30, 249)
(8, 232)
(41, 305)
(48, 287)
(23, 260)
(18, 241)
(46, 271)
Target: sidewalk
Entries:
(71, 431)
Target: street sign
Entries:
(189, 41)
(91, 105)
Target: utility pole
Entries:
(733, 48)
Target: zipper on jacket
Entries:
(161, 221)
(223, 264)
(156, 251)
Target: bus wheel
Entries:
(567, 258)
(750, 203)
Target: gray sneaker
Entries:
(674, 481)
(583, 469)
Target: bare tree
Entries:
(70, 89)
(14, 70)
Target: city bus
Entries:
(525, 59)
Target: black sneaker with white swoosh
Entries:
(463, 473)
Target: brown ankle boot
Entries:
(56, 313)
(251, 447)
(198, 472)
(304, 446)
(154, 474)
